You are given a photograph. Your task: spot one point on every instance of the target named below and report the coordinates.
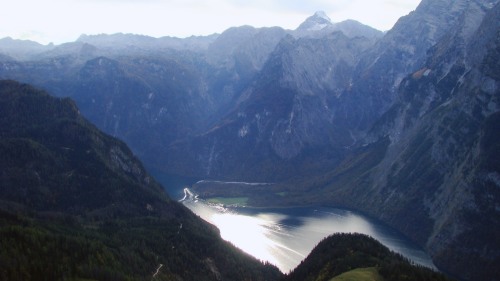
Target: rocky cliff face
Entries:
(320, 93)
(401, 51)
(284, 115)
(444, 128)
(432, 173)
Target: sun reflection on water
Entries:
(248, 233)
(285, 239)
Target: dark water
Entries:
(285, 236)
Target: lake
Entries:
(285, 236)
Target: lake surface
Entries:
(285, 236)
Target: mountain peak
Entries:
(315, 22)
(322, 15)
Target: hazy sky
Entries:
(61, 21)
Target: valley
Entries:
(400, 126)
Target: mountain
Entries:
(75, 203)
(22, 49)
(320, 24)
(313, 100)
(352, 28)
(131, 42)
(73, 193)
(357, 257)
(244, 47)
(401, 127)
(315, 22)
(426, 166)
(282, 120)
(443, 127)
(401, 51)
(417, 127)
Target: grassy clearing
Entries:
(229, 201)
(360, 274)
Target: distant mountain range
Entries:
(400, 125)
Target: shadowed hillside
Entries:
(75, 203)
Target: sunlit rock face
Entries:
(402, 50)
(456, 106)
(438, 140)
